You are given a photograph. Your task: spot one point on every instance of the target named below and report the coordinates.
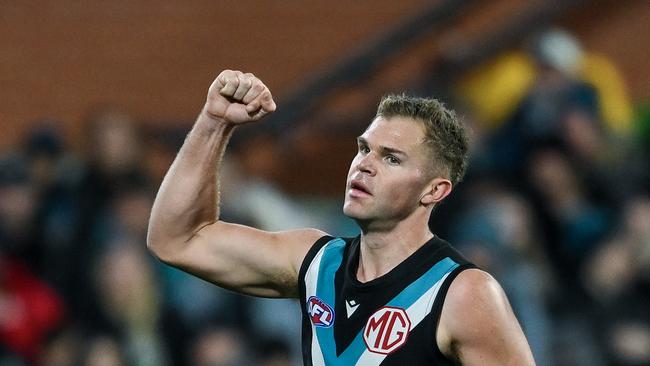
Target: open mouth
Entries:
(357, 187)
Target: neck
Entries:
(382, 250)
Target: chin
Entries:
(349, 211)
(346, 210)
(355, 213)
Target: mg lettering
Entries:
(386, 330)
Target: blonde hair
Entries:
(444, 132)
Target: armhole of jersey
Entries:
(439, 303)
(302, 290)
(311, 253)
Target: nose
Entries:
(367, 165)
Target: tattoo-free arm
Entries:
(477, 325)
(184, 228)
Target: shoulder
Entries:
(302, 242)
(472, 285)
(473, 299)
(477, 321)
(304, 237)
(306, 243)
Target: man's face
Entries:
(389, 173)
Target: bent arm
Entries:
(477, 325)
(184, 228)
(188, 198)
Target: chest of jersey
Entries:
(388, 321)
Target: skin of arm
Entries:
(184, 227)
(477, 325)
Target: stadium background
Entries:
(96, 98)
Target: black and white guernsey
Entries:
(390, 320)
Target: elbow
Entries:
(170, 248)
(153, 246)
(160, 248)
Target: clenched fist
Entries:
(238, 98)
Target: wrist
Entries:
(213, 122)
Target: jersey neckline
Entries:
(422, 256)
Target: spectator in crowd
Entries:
(617, 277)
(130, 302)
(556, 90)
(572, 222)
(498, 232)
(29, 308)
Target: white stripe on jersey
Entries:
(416, 312)
(311, 279)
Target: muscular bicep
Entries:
(247, 260)
(477, 325)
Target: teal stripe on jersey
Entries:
(404, 300)
(329, 264)
(416, 289)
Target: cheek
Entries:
(400, 191)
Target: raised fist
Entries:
(238, 98)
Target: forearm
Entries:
(188, 198)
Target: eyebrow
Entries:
(384, 149)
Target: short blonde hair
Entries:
(444, 132)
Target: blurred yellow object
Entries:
(615, 106)
(494, 89)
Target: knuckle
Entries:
(226, 74)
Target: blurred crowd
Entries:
(556, 205)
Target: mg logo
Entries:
(320, 313)
(386, 330)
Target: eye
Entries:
(392, 160)
(364, 149)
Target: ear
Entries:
(436, 191)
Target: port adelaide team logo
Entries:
(386, 330)
(321, 314)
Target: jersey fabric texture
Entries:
(390, 320)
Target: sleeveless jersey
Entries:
(390, 320)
